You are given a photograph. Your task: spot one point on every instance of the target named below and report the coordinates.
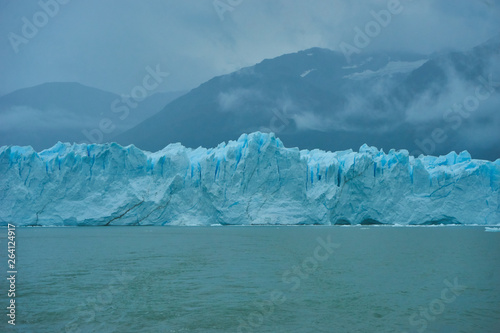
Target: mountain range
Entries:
(42, 115)
(315, 98)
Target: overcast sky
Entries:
(107, 44)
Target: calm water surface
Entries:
(254, 279)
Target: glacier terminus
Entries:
(255, 180)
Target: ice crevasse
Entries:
(254, 180)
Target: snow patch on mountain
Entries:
(393, 67)
(304, 74)
(358, 65)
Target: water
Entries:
(255, 279)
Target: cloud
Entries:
(429, 107)
(311, 121)
(24, 118)
(188, 39)
(234, 99)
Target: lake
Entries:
(254, 279)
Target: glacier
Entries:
(255, 180)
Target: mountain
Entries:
(254, 180)
(42, 115)
(314, 98)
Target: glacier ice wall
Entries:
(254, 180)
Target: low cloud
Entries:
(235, 99)
(24, 118)
(312, 121)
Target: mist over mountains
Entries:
(42, 115)
(314, 99)
(429, 104)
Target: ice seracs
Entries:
(254, 180)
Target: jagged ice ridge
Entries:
(254, 180)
